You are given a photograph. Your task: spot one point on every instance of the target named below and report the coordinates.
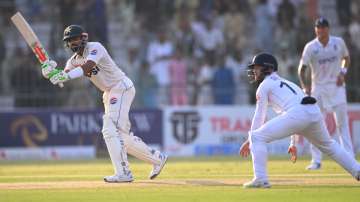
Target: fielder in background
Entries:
(328, 58)
(92, 60)
(298, 114)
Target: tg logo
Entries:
(185, 126)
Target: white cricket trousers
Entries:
(342, 128)
(304, 120)
(117, 103)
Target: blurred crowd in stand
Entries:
(177, 52)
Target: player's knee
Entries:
(109, 129)
(130, 139)
(254, 137)
(328, 147)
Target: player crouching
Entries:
(298, 114)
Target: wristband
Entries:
(76, 73)
(343, 70)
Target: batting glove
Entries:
(58, 76)
(47, 67)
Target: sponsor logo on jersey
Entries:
(113, 100)
(93, 52)
(327, 60)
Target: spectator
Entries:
(158, 55)
(235, 62)
(131, 65)
(146, 89)
(178, 80)
(67, 11)
(234, 27)
(285, 37)
(354, 31)
(287, 66)
(223, 84)
(344, 12)
(182, 30)
(205, 76)
(97, 26)
(24, 78)
(80, 95)
(286, 14)
(209, 39)
(304, 33)
(263, 27)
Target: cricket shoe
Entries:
(257, 184)
(357, 176)
(158, 167)
(119, 178)
(314, 166)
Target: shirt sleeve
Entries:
(306, 56)
(68, 65)
(96, 52)
(261, 107)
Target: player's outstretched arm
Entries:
(293, 153)
(292, 150)
(245, 149)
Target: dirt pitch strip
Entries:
(283, 180)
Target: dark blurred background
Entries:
(177, 52)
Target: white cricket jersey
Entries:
(324, 61)
(278, 93)
(105, 74)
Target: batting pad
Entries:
(137, 148)
(115, 146)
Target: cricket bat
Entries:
(31, 39)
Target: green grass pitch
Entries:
(210, 179)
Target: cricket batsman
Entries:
(92, 60)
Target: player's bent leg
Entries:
(342, 123)
(137, 148)
(272, 130)
(316, 158)
(119, 112)
(117, 152)
(259, 157)
(319, 136)
(316, 155)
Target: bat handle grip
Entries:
(61, 85)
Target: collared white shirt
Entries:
(105, 74)
(278, 93)
(324, 61)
